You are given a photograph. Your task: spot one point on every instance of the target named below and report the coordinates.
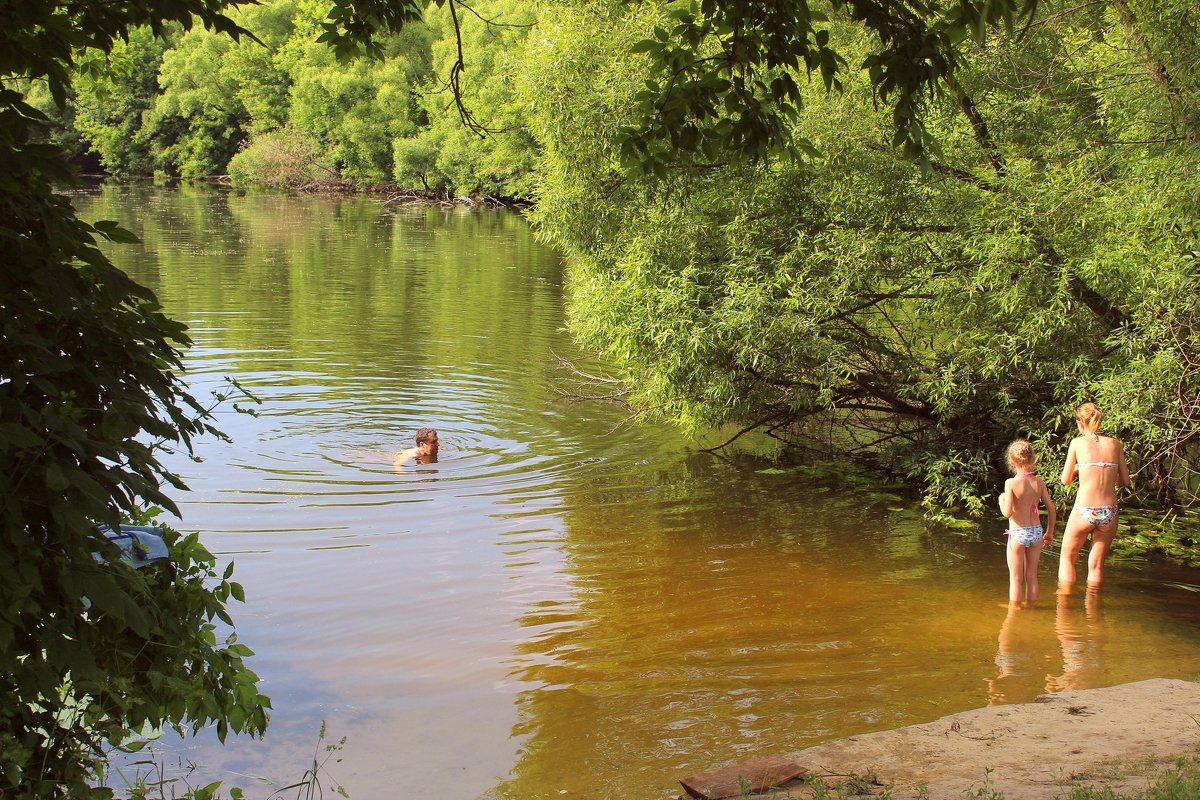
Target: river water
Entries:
(570, 602)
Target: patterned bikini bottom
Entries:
(1028, 536)
(1097, 516)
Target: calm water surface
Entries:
(567, 604)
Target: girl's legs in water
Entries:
(1033, 555)
(1074, 535)
(1102, 539)
(1016, 570)
(1022, 572)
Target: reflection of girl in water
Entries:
(1080, 637)
(1007, 660)
(1020, 501)
(1025, 651)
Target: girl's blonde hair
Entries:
(1088, 416)
(1020, 455)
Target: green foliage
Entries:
(490, 152)
(214, 92)
(285, 93)
(350, 26)
(197, 121)
(262, 86)
(415, 163)
(91, 649)
(51, 40)
(724, 76)
(915, 319)
(721, 79)
(112, 97)
(356, 109)
(194, 103)
(282, 159)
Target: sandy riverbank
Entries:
(1120, 737)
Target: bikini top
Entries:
(1034, 506)
(1101, 464)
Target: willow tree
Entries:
(909, 283)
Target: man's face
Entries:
(428, 448)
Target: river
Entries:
(570, 602)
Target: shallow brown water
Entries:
(566, 604)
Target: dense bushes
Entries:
(913, 317)
(490, 152)
(282, 159)
(199, 103)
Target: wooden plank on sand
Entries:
(735, 780)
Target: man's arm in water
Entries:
(407, 454)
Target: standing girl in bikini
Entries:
(1023, 493)
(1099, 463)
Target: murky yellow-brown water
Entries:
(566, 604)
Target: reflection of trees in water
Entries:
(344, 281)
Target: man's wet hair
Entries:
(425, 434)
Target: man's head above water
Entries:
(427, 445)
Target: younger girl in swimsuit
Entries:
(1099, 463)
(1022, 495)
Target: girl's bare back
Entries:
(1099, 463)
(1026, 492)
